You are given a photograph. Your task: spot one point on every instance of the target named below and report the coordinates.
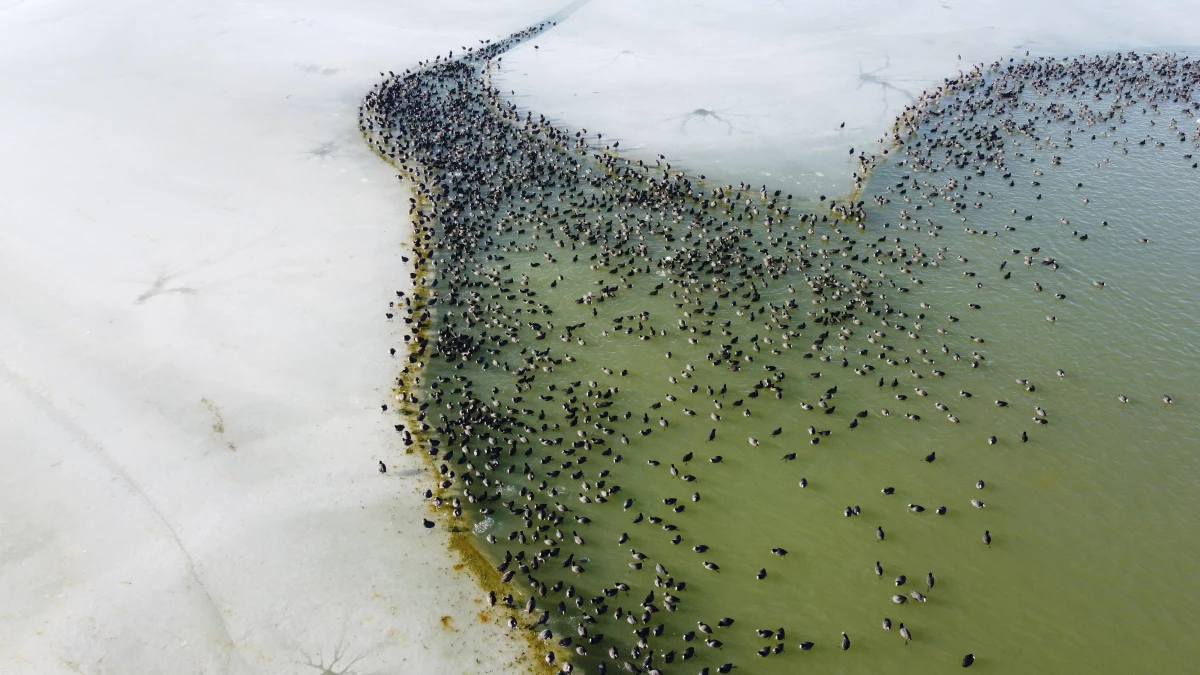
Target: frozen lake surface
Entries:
(758, 90)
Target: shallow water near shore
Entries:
(1089, 567)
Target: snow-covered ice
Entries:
(758, 90)
(197, 250)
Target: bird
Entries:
(931, 457)
(429, 523)
(845, 642)
(887, 623)
(879, 533)
(968, 660)
(382, 467)
(987, 538)
(904, 633)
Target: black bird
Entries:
(930, 457)
(712, 434)
(806, 646)
(968, 660)
(845, 642)
(429, 523)
(687, 458)
(987, 537)
(382, 468)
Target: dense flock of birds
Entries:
(737, 286)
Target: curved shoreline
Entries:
(407, 393)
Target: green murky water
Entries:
(1092, 559)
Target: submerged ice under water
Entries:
(664, 404)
